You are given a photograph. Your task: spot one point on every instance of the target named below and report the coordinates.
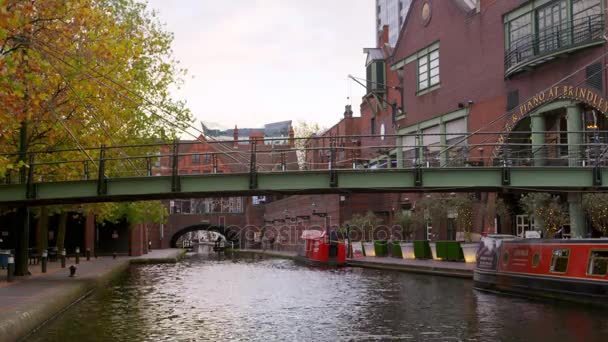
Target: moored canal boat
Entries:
(317, 250)
(573, 270)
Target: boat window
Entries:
(505, 258)
(535, 260)
(598, 263)
(559, 261)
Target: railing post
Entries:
(86, 169)
(30, 187)
(333, 174)
(148, 166)
(102, 185)
(253, 173)
(175, 181)
(283, 162)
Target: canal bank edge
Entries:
(31, 315)
(377, 264)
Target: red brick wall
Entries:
(136, 240)
(472, 52)
(89, 233)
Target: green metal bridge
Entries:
(299, 182)
(152, 171)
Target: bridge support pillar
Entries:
(539, 149)
(575, 134)
(577, 215)
(22, 232)
(89, 233)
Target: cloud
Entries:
(269, 60)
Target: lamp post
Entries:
(45, 255)
(10, 268)
(63, 258)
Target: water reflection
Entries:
(207, 298)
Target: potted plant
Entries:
(596, 207)
(548, 212)
(409, 222)
(366, 225)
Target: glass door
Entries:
(551, 22)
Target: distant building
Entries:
(392, 14)
(279, 129)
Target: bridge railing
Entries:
(316, 153)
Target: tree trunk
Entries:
(63, 221)
(42, 230)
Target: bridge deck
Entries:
(298, 182)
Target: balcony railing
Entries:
(567, 35)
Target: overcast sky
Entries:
(253, 62)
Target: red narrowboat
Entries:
(317, 250)
(574, 270)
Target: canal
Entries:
(204, 298)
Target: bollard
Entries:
(88, 254)
(63, 258)
(45, 255)
(10, 268)
(72, 271)
(114, 255)
(77, 255)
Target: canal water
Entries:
(204, 298)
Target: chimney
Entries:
(348, 112)
(292, 140)
(383, 36)
(236, 136)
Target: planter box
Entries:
(469, 251)
(381, 248)
(441, 249)
(396, 250)
(433, 247)
(368, 249)
(454, 251)
(407, 250)
(357, 248)
(422, 249)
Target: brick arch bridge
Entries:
(229, 225)
(231, 234)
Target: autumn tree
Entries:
(84, 73)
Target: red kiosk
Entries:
(319, 251)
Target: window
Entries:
(375, 76)
(196, 158)
(373, 126)
(195, 172)
(593, 75)
(559, 261)
(535, 260)
(582, 9)
(428, 70)
(207, 159)
(598, 263)
(533, 30)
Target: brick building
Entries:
(215, 153)
(505, 67)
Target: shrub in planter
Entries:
(422, 249)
